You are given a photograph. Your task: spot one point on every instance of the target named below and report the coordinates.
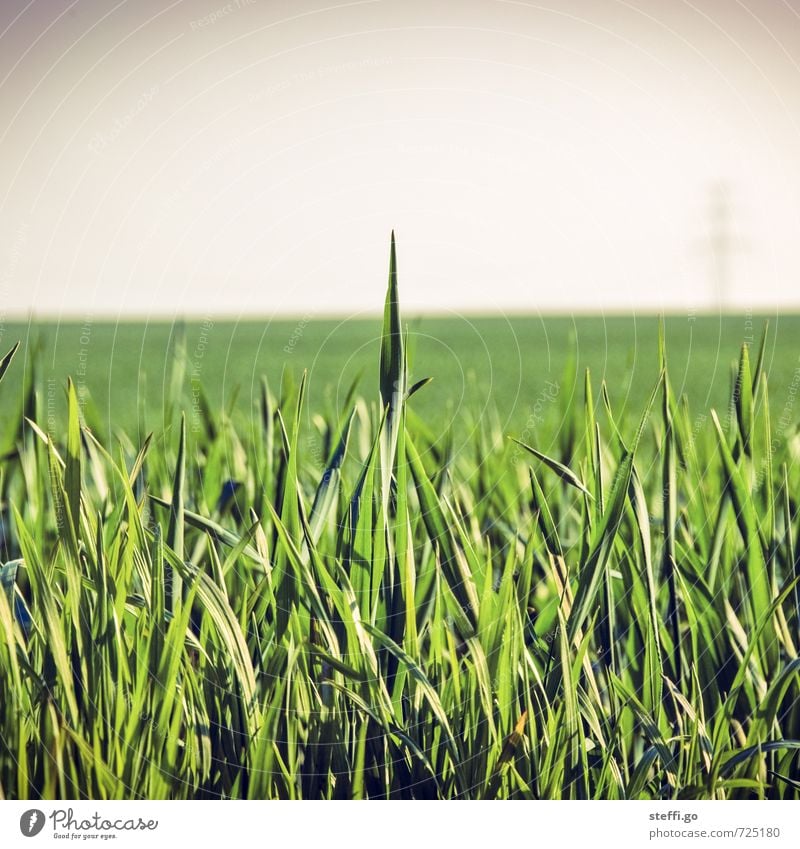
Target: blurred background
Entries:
(557, 176)
(251, 157)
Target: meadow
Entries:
(125, 372)
(566, 567)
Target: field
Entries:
(322, 587)
(479, 364)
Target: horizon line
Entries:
(368, 315)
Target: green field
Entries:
(312, 588)
(478, 363)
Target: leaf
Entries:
(6, 361)
(175, 530)
(72, 468)
(417, 386)
(392, 360)
(393, 378)
(213, 529)
(744, 400)
(589, 579)
(8, 577)
(567, 475)
(739, 756)
(325, 495)
(760, 595)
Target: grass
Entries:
(477, 363)
(338, 598)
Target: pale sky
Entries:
(251, 158)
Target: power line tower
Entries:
(722, 242)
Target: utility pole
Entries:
(722, 243)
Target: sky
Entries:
(251, 158)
